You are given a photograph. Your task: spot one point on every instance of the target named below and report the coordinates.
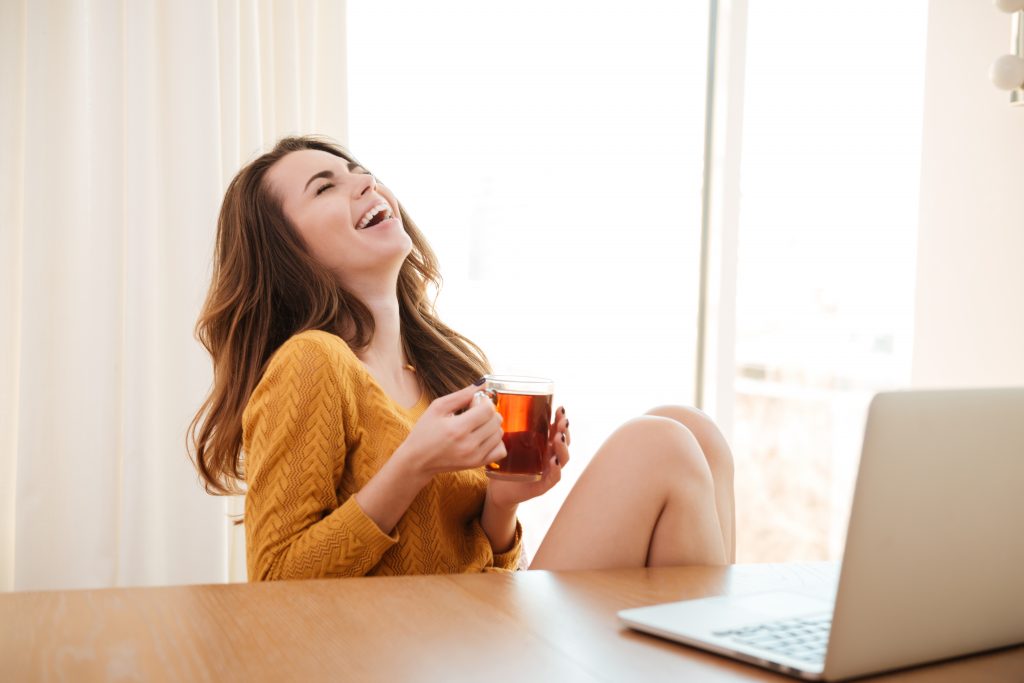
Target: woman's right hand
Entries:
(443, 441)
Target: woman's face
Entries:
(349, 222)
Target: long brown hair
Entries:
(267, 287)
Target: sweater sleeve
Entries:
(295, 449)
(511, 559)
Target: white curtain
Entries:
(121, 123)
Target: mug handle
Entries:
(488, 394)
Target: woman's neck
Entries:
(384, 357)
(385, 349)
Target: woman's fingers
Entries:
(455, 401)
(561, 439)
(483, 422)
(495, 454)
(482, 425)
(560, 423)
(480, 411)
(560, 451)
(490, 439)
(560, 430)
(554, 472)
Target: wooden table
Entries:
(525, 627)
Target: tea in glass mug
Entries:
(524, 404)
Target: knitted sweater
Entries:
(316, 429)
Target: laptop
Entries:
(934, 560)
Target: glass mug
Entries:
(525, 407)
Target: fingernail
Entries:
(566, 424)
(480, 381)
(563, 438)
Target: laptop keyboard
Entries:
(803, 638)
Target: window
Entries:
(827, 243)
(552, 154)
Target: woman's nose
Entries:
(367, 184)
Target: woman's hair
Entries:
(267, 287)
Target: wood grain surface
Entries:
(525, 627)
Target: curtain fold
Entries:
(122, 123)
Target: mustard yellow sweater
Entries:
(316, 429)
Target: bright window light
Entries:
(827, 251)
(552, 154)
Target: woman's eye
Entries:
(324, 187)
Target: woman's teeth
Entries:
(381, 211)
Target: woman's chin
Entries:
(400, 247)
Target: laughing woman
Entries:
(347, 411)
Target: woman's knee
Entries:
(704, 429)
(663, 446)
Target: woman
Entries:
(349, 409)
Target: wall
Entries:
(969, 325)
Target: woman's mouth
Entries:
(377, 214)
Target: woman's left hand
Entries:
(508, 494)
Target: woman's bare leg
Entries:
(647, 498)
(720, 461)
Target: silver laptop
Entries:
(934, 559)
